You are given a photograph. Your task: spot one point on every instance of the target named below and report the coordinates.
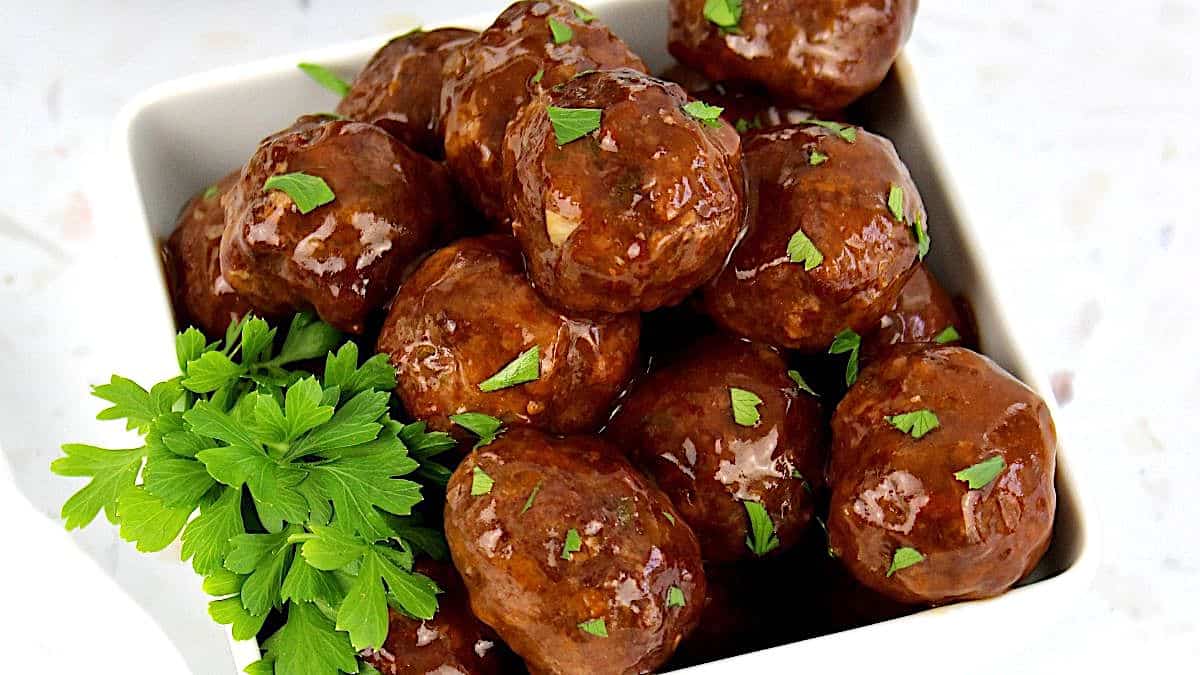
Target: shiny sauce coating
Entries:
(598, 550)
(192, 261)
(634, 215)
(678, 425)
(840, 204)
(342, 259)
(490, 78)
(891, 490)
(468, 310)
(400, 88)
(819, 54)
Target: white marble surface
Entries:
(1070, 125)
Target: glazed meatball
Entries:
(453, 641)
(192, 260)
(743, 104)
(958, 511)
(634, 215)
(679, 426)
(469, 310)
(490, 78)
(344, 258)
(771, 291)
(400, 89)
(821, 54)
(922, 312)
(579, 563)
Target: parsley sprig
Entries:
(301, 483)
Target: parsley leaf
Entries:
(306, 191)
(537, 77)
(801, 250)
(762, 539)
(799, 380)
(532, 495)
(364, 612)
(745, 406)
(309, 644)
(904, 557)
(112, 472)
(210, 192)
(571, 124)
(949, 334)
(725, 14)
(675, 597)
(571, 544)
(584, 15)
(982, 473)
(844, 131)
(525, 368)
(484, 426)
(922, 236)
(325, 77)
(146, 521)
(342, 371)
(230, 612)
(710, 115)
(130, 401)
(895, 202)
(206, 538)
(817, 158)
(481, 483)
(916, 423)
(848, 341)
(594, 627)
(560, 31)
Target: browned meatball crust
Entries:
(344, 258)
(821, 54)
(400, 88)
(490, 78)
(891, 490)
(678, 425)
(565, 536)
(192, 258)
(921, 313)
(468, 310)
(841, 205)
(453, 641)
(634, 215)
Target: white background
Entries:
(1071, 125)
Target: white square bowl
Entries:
(178, 137)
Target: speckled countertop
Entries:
(1069, 125)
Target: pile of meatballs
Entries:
(737, 408)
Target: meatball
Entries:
(192, 260)
(821, 54)
(635, 214)
(491, 77)
(469, 310)
(344, 258)
(579, 563)
(813, 185)
(743, 104)
(453, 641)
(958, 511)
(680, 427)
(923, 311)
(400, 88)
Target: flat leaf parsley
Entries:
(291, 492)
